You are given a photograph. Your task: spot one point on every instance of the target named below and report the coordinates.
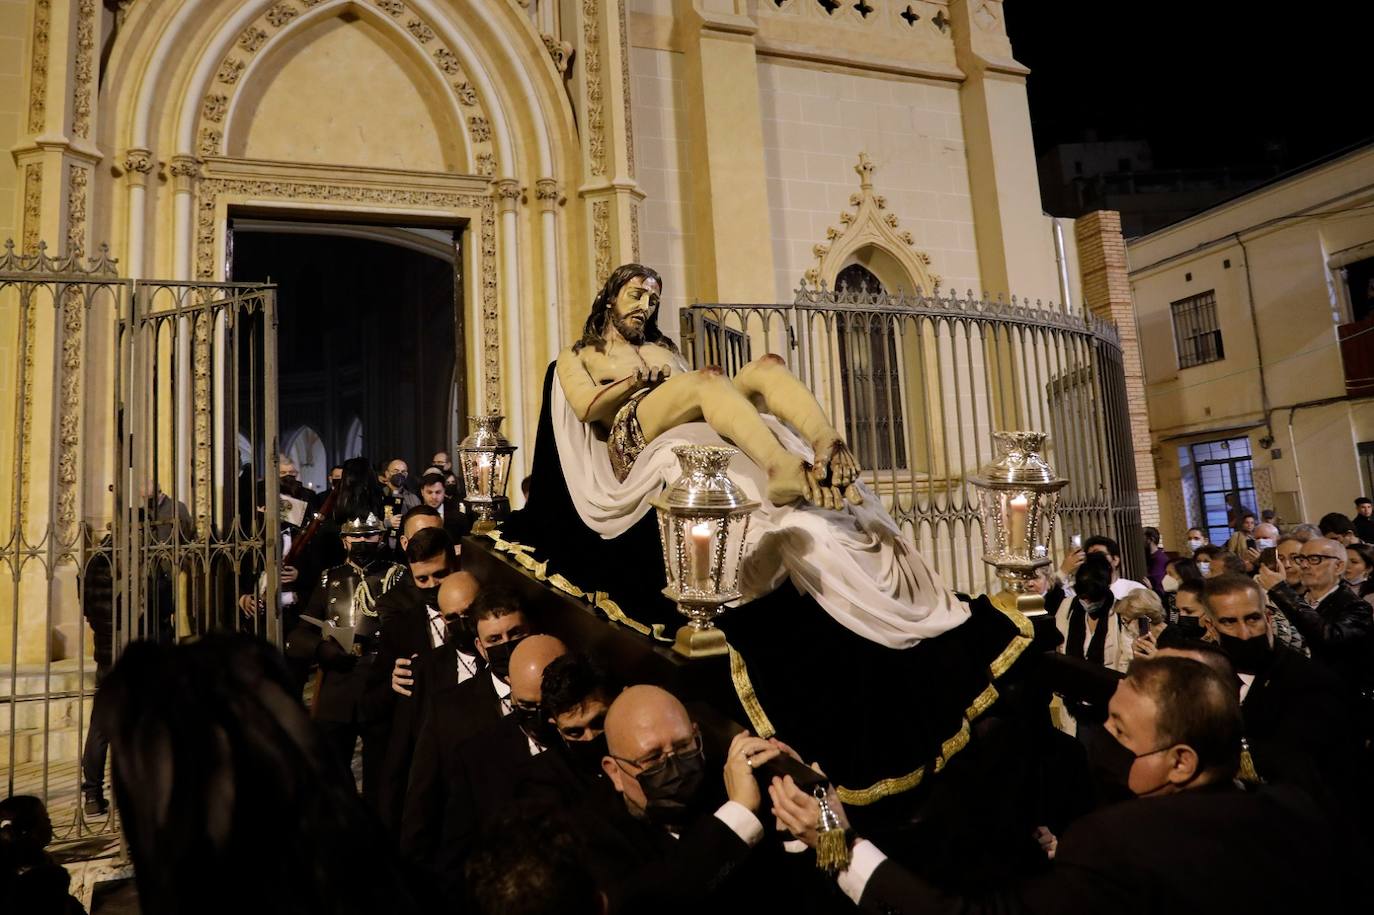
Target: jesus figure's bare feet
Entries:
(837, 468)
(797, 480)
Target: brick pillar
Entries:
(1107, 292)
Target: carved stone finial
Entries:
(865, 170)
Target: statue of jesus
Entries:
(629, 379)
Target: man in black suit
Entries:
(455, 712)
(1192, 840)
(660, 847)
(493, 762)
(1297, 721)
(575, 694)
(1335, 623)
(409, 626)
(434, 495)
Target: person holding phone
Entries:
(1140, 616)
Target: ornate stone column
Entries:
(550, 197)
(609, 186)
(508, 195)
(138, 164)
(56, 160)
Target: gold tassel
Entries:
(832, 847)
(1247, 771)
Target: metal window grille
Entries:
(1225, 481)
(1197, 335)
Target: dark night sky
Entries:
(1207, 83)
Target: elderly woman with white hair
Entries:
(1138, 613)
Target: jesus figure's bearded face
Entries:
(635, 305)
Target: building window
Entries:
(870, 379)
(1225, 483)
(1359, 283)
(1196, 332)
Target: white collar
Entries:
(502, 687)
(1314, 600)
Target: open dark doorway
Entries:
(369, 339)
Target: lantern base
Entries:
(694, 642)
(1028, 604)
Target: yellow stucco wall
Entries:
(1280, 320)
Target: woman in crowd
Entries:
(1359, 569)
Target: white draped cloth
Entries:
(854, 562)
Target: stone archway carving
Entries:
(256, 39)
(869, 225)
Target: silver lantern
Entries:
(485, 460)
(702, 520)
(1017, 497)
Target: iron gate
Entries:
(141, 417)
(917, 384)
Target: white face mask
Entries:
(1204, 567)
(1264, 543)
(1170, 584)
(1196, 544)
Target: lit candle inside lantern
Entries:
(1019, 506)
(484, 475)
(699, 555)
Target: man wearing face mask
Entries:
(575, 694)
(666, 843)
(342, 642)
(1296, 721)
(432, 650)
(493, 762)
(455, 712)
(406, 628)
(1174, 739)
(399, 497)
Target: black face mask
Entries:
(429, 595)
(1250, 655)
(669, 789)
(587, 754)
(532, 721)
(498, 657)
(462, 631)
(1190, 627)
(398, 480)
(1111, 762)
(363, 551)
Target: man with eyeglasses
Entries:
(493, 763)
(1335, 623)
(660, 847)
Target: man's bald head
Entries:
(641, 722)
(457, 593)
(643, 719)
(527, 665)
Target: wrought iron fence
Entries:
(917, 384)
(139, 417)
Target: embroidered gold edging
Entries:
(1002, 663)
(521, 554)
(861, 797)
(999, 666)
(744, 689)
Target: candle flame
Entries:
(701, 530)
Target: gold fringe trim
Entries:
(744, 688)
(521, 554)
(888, 787)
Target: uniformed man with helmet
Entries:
(338, 631)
